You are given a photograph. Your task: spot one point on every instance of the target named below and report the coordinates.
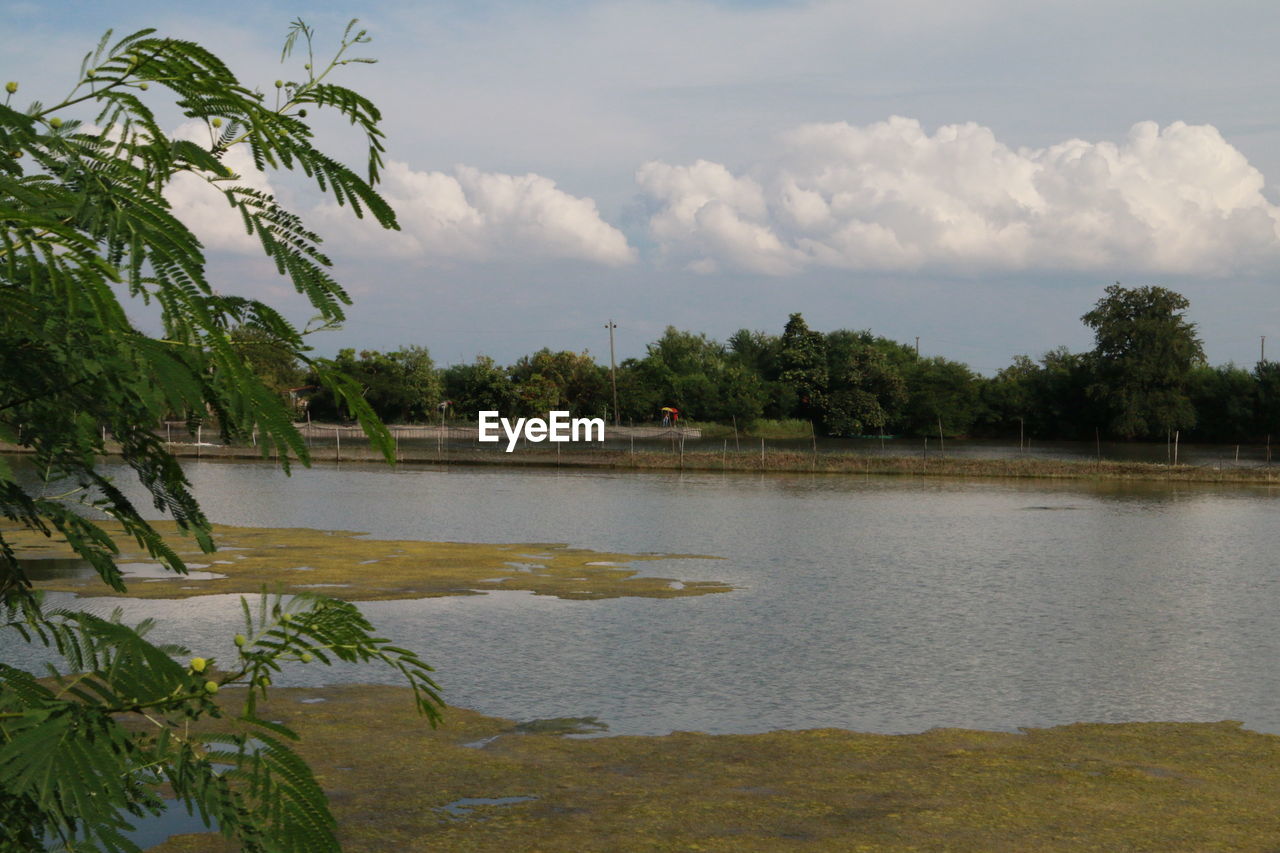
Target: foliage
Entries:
(401, 386)
(1223, 398)
(561, 380)
(803, 359)
(479, 386)
(1145, 350)
(864, 390)
(1266, 376)
(85, 228)
(941, 394)
(697, 376)
(274, 364)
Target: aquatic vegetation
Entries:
(1129, 786)
(349, 566)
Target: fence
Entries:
(436, 443)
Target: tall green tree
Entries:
(563, 380)
(1145, 350)
(697, 376)
(940, 392)
(402, 386)
(85, 233)
(1223, 398)
(803, 359)
(864, 390)
(480, 386)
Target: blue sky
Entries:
(974, 173)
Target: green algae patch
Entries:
(1132, 786)
(343, 564)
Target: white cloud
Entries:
(471, 215)
(890, 196)
(204, 208)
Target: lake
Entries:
(876, 604)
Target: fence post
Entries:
(337, 437)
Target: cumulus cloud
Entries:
(468, 215)
(203, 206)
(890, 196)
(472, 215)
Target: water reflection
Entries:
(880, 604)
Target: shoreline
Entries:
(773, 461)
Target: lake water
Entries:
(876, 604)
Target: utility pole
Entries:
(1262, 355)
(917, 347)
(613, 372)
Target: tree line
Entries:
(1146, 377)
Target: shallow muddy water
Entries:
(877, 604)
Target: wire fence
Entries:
(460, 443)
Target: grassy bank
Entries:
(1132, 786)
(781, 461)
(788, 428)
(347, 565)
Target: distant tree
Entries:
(272, 362)
(760, 353)
(697, 376)
(803, 359)
(562, 380)
(1223, 398)
(1145, 349)
(864, 391)
(480, 386)
(1061, 404)
(1008, 397)
(1266, 406)
(401, 386)
(940, 390)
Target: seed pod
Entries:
(302, 113)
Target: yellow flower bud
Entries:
(55, 122)
(241, 639)
(217, 122)
(305, 657)
(211, 687)
(198, 664)
(11, 86)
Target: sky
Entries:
(973, 174)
